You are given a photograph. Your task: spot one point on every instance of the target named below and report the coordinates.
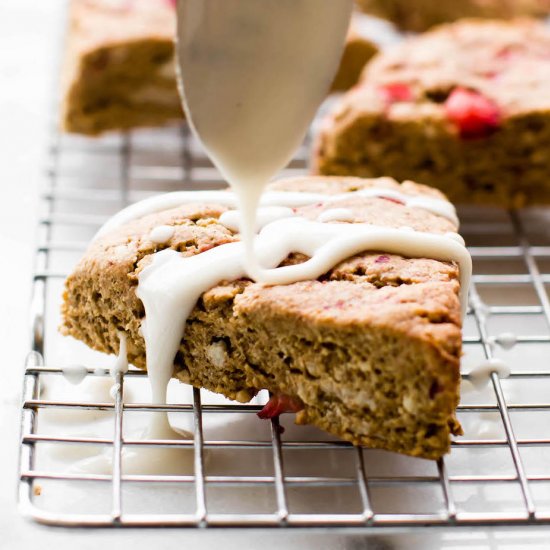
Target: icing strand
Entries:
(336, 215)
(170, 285)
(506, 340)
(75, 374)
(289, 199)
(121, 362)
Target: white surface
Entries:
(29, 38)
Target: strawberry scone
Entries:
(465, 107)
(368, 351)
(119, 70)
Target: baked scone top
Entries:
(127, 250)
(506, 62)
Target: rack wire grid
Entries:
(497, 473)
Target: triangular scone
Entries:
(371, 349)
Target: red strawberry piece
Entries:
(392, 199)
(475, 115)
(508, 52)
(382, 259)
(395, 93)
(171, 3)
(279, 404)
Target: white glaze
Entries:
(75, 373)
(455, 236)
(506, 340)
(170, 285)
(479, 376)
(329, 244)
(232, 219)
(439, 207)
(162, 234)
(121, 362)
(253, 74)
(146, 460)
(115, 388)
(159, 426)
(290, 199)
(336, 215)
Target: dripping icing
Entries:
(170, 285)
(232, 219)
(289, 199)
(506, 340)
(480, 375)
(336, 215)
(120, 364)
(245, 62)
(75, 374)
(147, 460)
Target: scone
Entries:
(464, 108)
(423, 14)
(369, 352)
(118, 71)
(119, 65)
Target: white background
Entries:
(30, 38)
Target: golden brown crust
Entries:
(372, 348)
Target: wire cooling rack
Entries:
(245, 472)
